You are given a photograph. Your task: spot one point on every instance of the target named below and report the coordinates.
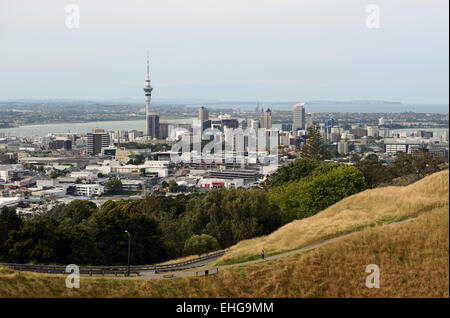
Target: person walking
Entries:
(262, 254)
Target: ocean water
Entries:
(82, 128)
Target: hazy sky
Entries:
(273, 50)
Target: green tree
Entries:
(114, 185)
(425, 163)
(355, 158)
(296, 170)
(137, 160)
(83, 249)
(200, 244)
(325, 186)
(54, 174)
(73, 213)
(231, 215)
(112, 241)
(403, 164)
(314, 148)
(374, 172)
(9, 221)
(39, 242)
(173, 186)
(372, 157)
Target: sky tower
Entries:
(148, 95)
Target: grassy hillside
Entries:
(368, 208)
(412, 256)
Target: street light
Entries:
(129, 242)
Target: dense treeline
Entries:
(322, 187)
(163, 227)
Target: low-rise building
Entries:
(89, 190)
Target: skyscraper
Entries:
(342, 147)
(148, 95)
(309, 121)
(153, 128)
(203, 114)
(163, 129)
(97, 140)
(299, 117)
(266, 119)
(254, 124)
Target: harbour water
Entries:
(82, 128)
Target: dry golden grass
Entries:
(412, 256)
(368, 208)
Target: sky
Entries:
(228, 50)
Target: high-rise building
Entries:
(299, 117)
(148, 95)
(203, 117)
(153, 127)
(61, 143)
(383, 132)
(266, 119)
(254, 124)
(309, 121)
(97, 140)
(163, 129)
(342, 147)
(203, 114)
(372, 131)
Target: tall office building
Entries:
(153, 128)
(203, 114)
(254, 124)
(97, 140)
(299, 117)
(372, 131)
(266, 119)
(342, 147)
(309, 120)
(61, 143)
(163, 129)
(148, 95)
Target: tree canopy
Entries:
(314, 148)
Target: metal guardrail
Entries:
(113, 270)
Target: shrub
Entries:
(200, 244)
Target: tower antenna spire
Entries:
(148, 66)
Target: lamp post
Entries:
(129, 242)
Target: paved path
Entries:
(193, 272)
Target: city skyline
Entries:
(224, 150)
(227, 51)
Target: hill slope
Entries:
(367, 208)
(412, 256)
